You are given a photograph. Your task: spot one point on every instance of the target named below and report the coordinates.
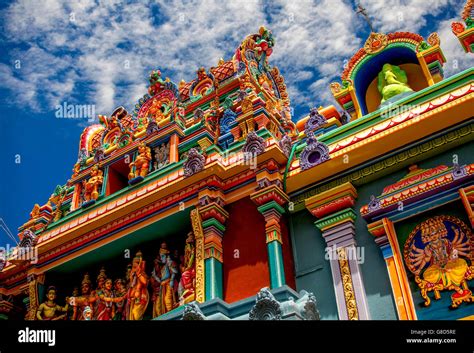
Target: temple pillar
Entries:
(213, 217)
(35, 291)
(385, 238)
(336, 218)
(270, 201)
(8, 309)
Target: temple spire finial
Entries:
(361, 10)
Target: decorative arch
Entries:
(89, 137)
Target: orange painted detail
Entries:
(399, 278)
(414, 176)
(174, 141)
(397, 291)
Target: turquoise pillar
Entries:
(213, 217)
(214, 285)
(275, 262)
(272, 212)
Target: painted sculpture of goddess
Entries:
(392, 81)
(187, 283)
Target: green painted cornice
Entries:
(347, 214)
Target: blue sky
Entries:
(101, 52)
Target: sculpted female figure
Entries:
(105, 306)
(94, 296)
(188, 275)
(120, 293)
(392, 81)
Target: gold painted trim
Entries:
(199, 238)
(348, 288)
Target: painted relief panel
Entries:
(438, 252)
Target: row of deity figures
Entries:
(172, 283)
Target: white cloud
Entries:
(457, 59)
(405, 15)
(313, 36)
(101, 52)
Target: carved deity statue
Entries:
(49, 310)
(142, 123)
(119, 294)
(201, 74)
(94, 300)
(80, 303)
(187, 284)
(441, 255)
(156, 110)
(141, 164)
(392, 81)
(161, 155)
(438, 258)
(266, 84)
(156, 82)
(164, 275)
(105, 307)
(35, 212)
(91, 186)
(137, 296)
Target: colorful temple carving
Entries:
(208, 202)
(465, 31)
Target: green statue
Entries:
(392, 81)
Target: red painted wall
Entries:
(245, 231)
(117, 178)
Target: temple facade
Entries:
(207, 202)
